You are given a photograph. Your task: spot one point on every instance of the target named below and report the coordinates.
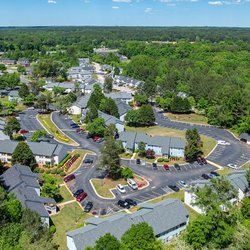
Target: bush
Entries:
(62, 174)
(64, 160)
(59, 170)
(37, 170)
(166, 160)
(53, 171)
(42, 170)
(77, 155)
(127, 173)
(52, 229)
(136, 150)
(48, 171)
(160, 159)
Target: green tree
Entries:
(193, 148)
(2, 67)
(140, 99)
(111, 130)
(127, 173)
(96, 127)
(23, 155)
(142, 149)
(20, 69)
(58, 90)
(110, 159)
(91, 114)
(147, 115)
(108, 84)
(245, 208)
(180, 105)
(107, 242)
(50, 188)
(12, 126)
(248, 176)
(109, 106)
(140, 236)
(38, 134)
(29, 99)
(23, 91)
(96, 96)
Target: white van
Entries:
(132, 184)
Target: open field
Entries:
(56, 132)
(190, 118)
(103, 187)
(69, 218)
(208, 142)
(66, 195)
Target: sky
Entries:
(230, 13)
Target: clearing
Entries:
(189, 118)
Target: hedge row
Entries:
(64, 160)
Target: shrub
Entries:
(58, 171)
(160, 159)
(37, 170)
(62, 174)
(136, 150)
(166, 160)
(52, 229)
(53, 171)
(42, 170)
(64, 160)
(48, 171)
(127, 173)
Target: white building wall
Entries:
(176, 152)
(71, 244)
(122, 117)
(189, 199)
(74, 110)
(120, 127)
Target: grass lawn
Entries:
(69, 218)
(208, 142)
(75, 118)
(65, 194)
(126, 155)
(190, 118)
(57, 133)
(103, 187)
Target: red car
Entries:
(23, 131)
(96, 138)
(69, 178)
(79, 130)
(81, 196)
(166, 166)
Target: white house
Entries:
(126, 81)
(14, 96)
(78, 107)
(167, 218)
(122, 96)
(44, 153)
(23, 183)
(162, 145)
(111, 119)
(123, 109)
(236, 178)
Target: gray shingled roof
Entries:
(109, 119)
(119, 95)
(37, 148)
(161, 217)
(164, 142)
(82, 102)
(123, 108)
(238, 180)
(21, 181)
(245, 136)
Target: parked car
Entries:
(205, 176)
(69, 178)
(81, 196)
(177, 166)
(166, 166)
(23, 131)
(88, 207)
(138, 161)
(132, 184)
(99, 140)
(75, 126)
(224, 143)
(214, 173)
(79, 130)
(173, 187)
(50, 136)
(131, 202)
(95, 138)
(123, 204)
(121, 188)
(79, 191)
(43, 140)
(154, 165)
(183, 183)
(89, 136)
(88, 161)
(232, 165)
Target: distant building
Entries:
(14, 96)
(24, 62)
(122, 96)
(78, 107)
(44, 153)
(123, 109)
(162, 145)
(3, 136)
(126, 81)
(236, 178)
(182, 95)
(23, 183)
(109, 119)
(7, 61)
(168, 218)
(245, 137)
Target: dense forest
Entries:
(211, 65)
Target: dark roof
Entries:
(21, 181)
(123, 108)
(82, 102)
(161, 217)
(109, 119)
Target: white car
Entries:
(183, 183)
(224, 143)
(121, 188)
(230, 165)
(132, 184)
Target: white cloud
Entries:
(148, 10)
(122, 1)
(52, 1)
(215, 3)
(115, 7)
(228, 2)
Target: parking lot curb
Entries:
(212, 150)
(215, 164)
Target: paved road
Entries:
(236, 153)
